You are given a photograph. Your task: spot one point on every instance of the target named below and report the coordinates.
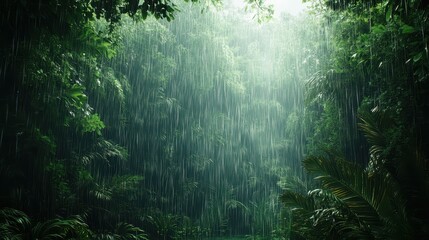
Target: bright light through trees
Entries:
(294, 7)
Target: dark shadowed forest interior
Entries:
(214, 119)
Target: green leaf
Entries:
(378, 29)
(407, 29)
(417, 57)
(75, 96)
(91, 123)
(389, 12)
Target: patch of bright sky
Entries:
(293, 7)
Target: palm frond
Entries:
(351, 229)
(101, 192)
(396, 152)
(130, 232)
(105, 151)
(298, 200)
(103, 236)
(301, 213)
(59, 228)
(13, 223)
(374, 125)
(319, 211)
(374, 200)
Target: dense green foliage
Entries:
(97, 132)
(376, 68)
(118, 123)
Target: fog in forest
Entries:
(215, 100)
